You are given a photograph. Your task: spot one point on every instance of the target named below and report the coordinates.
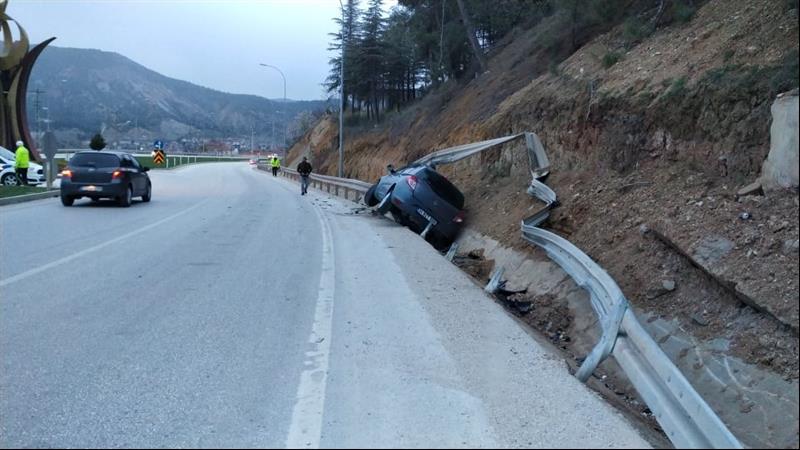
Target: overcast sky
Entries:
(213, 43)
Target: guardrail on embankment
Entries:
(684, 415)
(348, 188)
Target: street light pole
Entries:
(284, 96)
(341, 100)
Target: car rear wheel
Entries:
(400, 217)
(9, 179)
(147, 194)
(126, 198)
(438, 241)
(369, 197)
(66, 200)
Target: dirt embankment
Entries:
(647, 156)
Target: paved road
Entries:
(230, 311)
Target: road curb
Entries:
(28, 197)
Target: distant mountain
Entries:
(89, 90)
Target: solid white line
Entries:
(86, 251)
(305, 430)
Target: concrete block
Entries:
(780, 170)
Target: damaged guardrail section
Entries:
(685, 417)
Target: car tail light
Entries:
(459, 218)
(116, 174)
(412, 182)
(66, 173)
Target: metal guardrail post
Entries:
(494, 282)
(610, 327)
(426, 230)
(451, 253)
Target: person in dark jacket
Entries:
(304, 169)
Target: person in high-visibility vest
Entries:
(21, 163)
(276, 165)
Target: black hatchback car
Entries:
(104, 174)
(423, 200)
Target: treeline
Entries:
(393, 59)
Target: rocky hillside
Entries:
(650, 139)
(86, 89)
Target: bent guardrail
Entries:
(684, 415)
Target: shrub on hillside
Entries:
(611, 58)
(634, 30)
(677, 88)
(682, 11)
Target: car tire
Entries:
(386, 203)
(66, 200)
(126, 199)
(369, 197)
(400, 218)
(147, 194)
(10, 179)
(438, 241)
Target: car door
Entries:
(141, 175)
(134, 174)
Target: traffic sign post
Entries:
(159, 157)
(50, 146)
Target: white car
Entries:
(9, 178)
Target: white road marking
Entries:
(305, 430)
(86, 251)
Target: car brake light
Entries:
(412, 182)
(459, 218)
(66, 173)
(116, 174)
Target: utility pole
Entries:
(341, 100)
(284, 102)
(252, 137)
(36, 107)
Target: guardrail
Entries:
(684, 415)
(348, 188)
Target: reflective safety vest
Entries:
(22, 159)
(276, 162)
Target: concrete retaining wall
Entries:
(780, 170)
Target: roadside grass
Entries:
(13, 191)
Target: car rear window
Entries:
(445, 189)
(96, 160)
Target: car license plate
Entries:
(91, 188)
(426, 216)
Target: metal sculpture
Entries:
(16, 63)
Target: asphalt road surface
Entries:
(230, 311)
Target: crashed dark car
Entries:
(422, 199)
